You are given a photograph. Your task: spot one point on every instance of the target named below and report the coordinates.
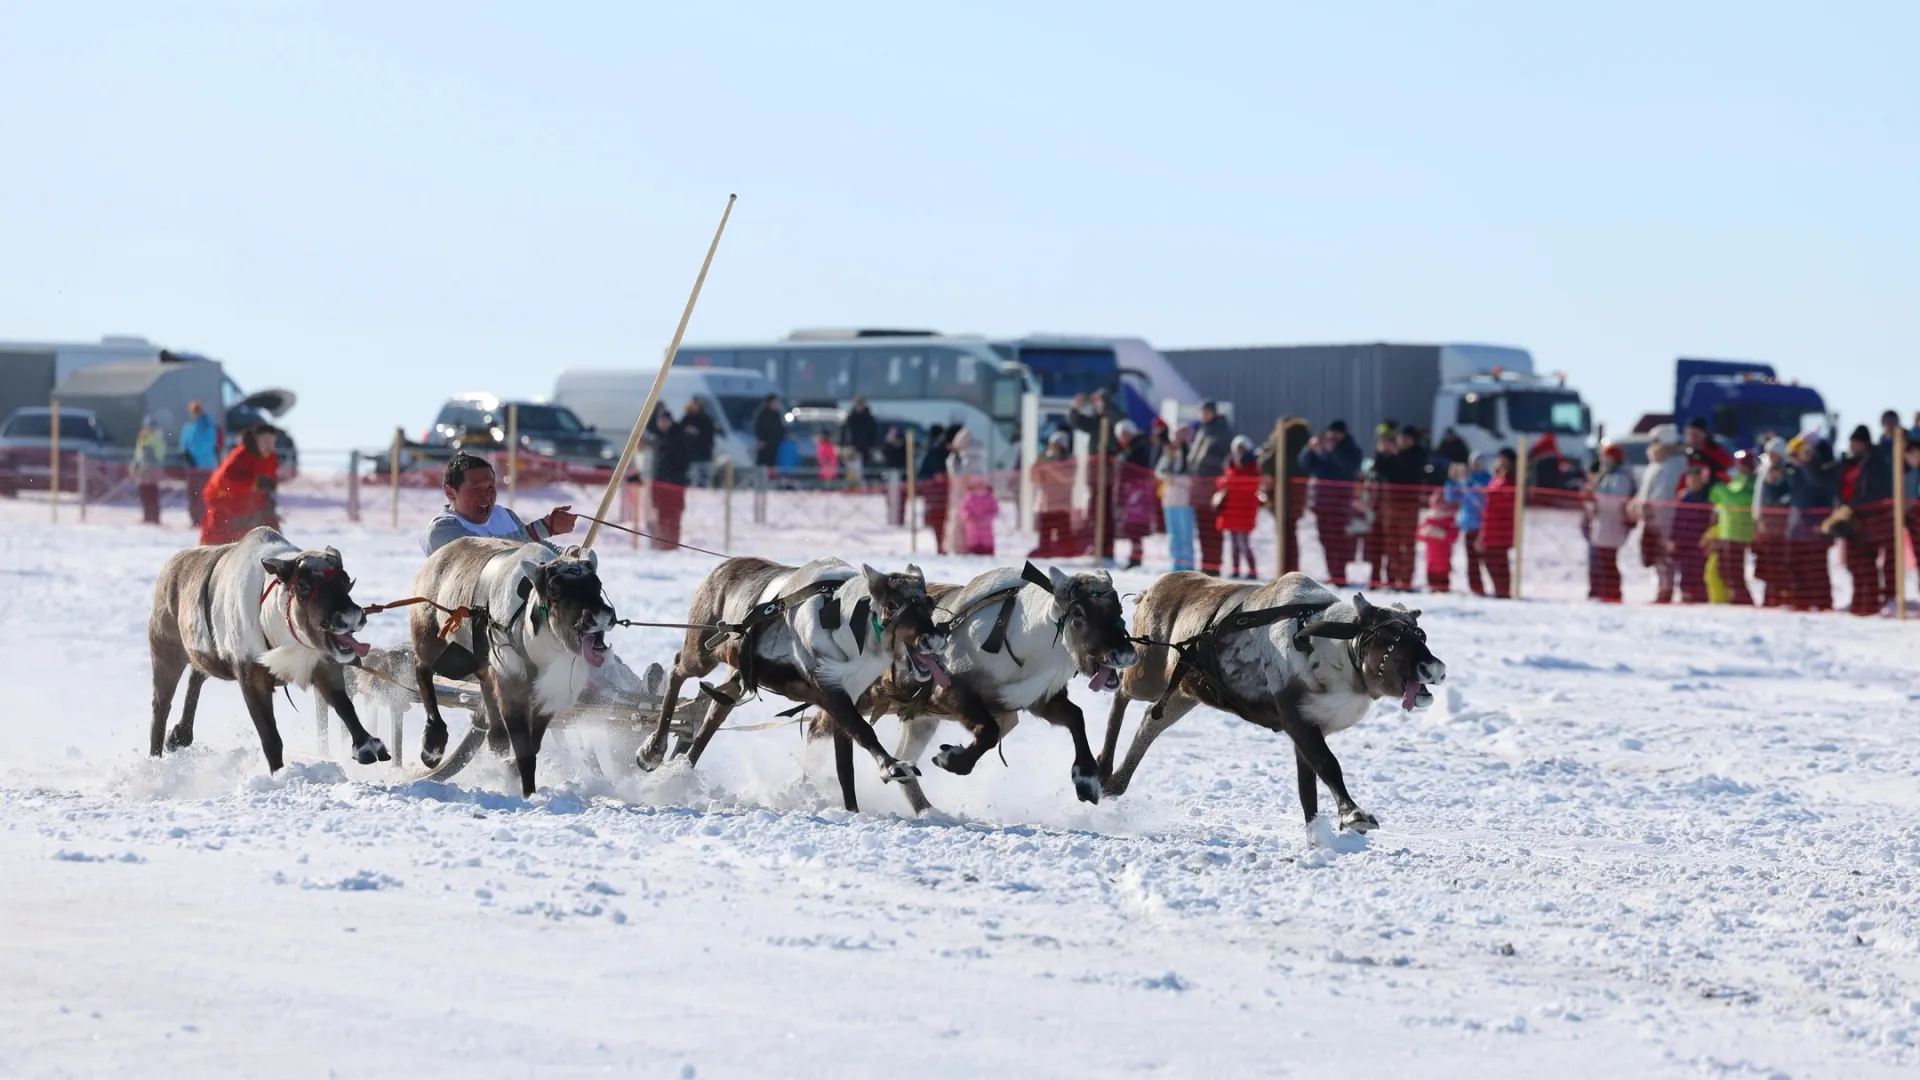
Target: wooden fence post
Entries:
(1520, 518)
(393, 475)
(1899, 558)
(513, 454)
(1100, 499)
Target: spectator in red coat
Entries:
(1497, 527)
(1238, 503)
(1701, 447)
(239, 495)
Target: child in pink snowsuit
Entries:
(977, 513)
(1438, 531)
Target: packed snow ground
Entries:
(1635, 842)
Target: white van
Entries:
(610, 399)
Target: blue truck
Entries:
(1741, 401)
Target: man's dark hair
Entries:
(462, 463)
(771, 398)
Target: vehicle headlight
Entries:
(543, 447)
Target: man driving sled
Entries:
(472, 511)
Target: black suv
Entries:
(480, 422)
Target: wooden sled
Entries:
(385, 680)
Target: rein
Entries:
(648, 535)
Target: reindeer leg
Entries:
(182, 734)
(716, 715)
(256, 687)
(846, 717)
(654, 750)
(322, 720)
(1309, 784)
(973, 712)
(1061, 710)
(499, 739)
(843, 767)
(1110, 748)
(433, 739)
(1311, 744)
(167, 670)
(331, 683)
(915, 736)
(517, 717)
(1158, 719)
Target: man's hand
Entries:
(561, 520)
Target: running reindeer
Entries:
(1250, 650)
(1015, 639)
(534, 662)
(818, 634)
(262, 613)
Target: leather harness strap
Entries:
(1200, 654)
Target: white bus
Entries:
(911, 375)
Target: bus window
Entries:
(954, 376)
(765, 361)
(819, 375)
(1006, 396)
(889, 373)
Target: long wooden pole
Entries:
(513, 454)
(1899, 558)
(906, 510)
(53, 462)
(1520, 519)
(393, 476)
(1100, 501)
(645, 418)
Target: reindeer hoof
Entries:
(646, 760)
(1086, 785)
(1358, 820)
(179, 738)
(371, 751)
(897, 771)
(433, 745)
(953, 760)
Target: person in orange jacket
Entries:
(240, 494)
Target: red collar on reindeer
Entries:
(293, 631)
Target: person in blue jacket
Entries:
(200, 444)
(1467, 486)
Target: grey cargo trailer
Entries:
(1361, 384)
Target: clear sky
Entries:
(378, 204)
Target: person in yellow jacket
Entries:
(1732, 533)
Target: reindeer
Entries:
(538, 644)
(1250, 650)
(818, 634)
(262, 613)
(1015, 639)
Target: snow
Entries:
(1643, 842)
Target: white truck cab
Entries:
(1490, 395)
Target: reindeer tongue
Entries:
(1408, 695)
(1104, 678)
(360, 648)
(593, 649)
(941, 677)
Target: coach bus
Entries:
(917, 376)
(1064, 367)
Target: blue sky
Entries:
(380, 204)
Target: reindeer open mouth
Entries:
(347, 647)
(924, 664)
(593, 648)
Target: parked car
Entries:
(479, 421)
(26, 449)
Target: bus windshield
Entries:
(1064, 371)
(1541, 411)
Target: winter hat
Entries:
(1698, 422)
(1613, 452)
(1339, 426)
(1861, 434)
(1777, 446)
(1125, 429)
(1241, 442)
(1060, 438)
(1210, 405)
(1666, 433)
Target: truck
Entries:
(1741, 402)
(1489, 395)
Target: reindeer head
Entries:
(904, 617)
(1086, 608)
(564, 598)
(319, 609)
(1393, 656)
